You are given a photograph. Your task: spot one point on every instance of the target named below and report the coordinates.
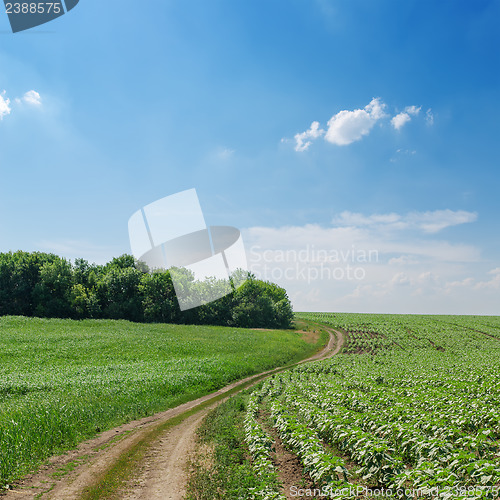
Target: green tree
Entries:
(251, 307)
(22, 273)
(84, 302)
(158, 298)
(52, 294)
(47, 285)
(261, 304)
(118, 291)
(125, 261)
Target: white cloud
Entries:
(403, 260)
(401, 279)
(428, 222)
(347, 127)
(404, 117)
(393, 245)
(400, 120)
(301, 140)
(32, 97)
(5, 108)
(413, 110)
(454, 285)
(402, 265)
(347, 218)
(433, 222)
(493, 283)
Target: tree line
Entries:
(46, 285)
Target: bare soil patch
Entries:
(162, 473)
(290, 470)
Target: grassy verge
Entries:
(222, 468)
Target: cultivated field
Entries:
(409, 409)
(62, 381)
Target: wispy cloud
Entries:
(493, 283)
(428, 222)
(429, 117)
(400, 153)
(225, 153)
(399, 247)
(413, 271)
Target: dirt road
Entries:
(146, 458)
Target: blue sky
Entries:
(116, 105)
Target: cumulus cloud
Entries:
(400, 120)
(413, 110)
(404, 117)
(32, 97)
(428, 222)
(4, 105)
(347, 127)
(302, 140)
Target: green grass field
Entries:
(61, 381)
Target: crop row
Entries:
(421, 411)
(261, 445)
(382, 446)
(323, 467)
